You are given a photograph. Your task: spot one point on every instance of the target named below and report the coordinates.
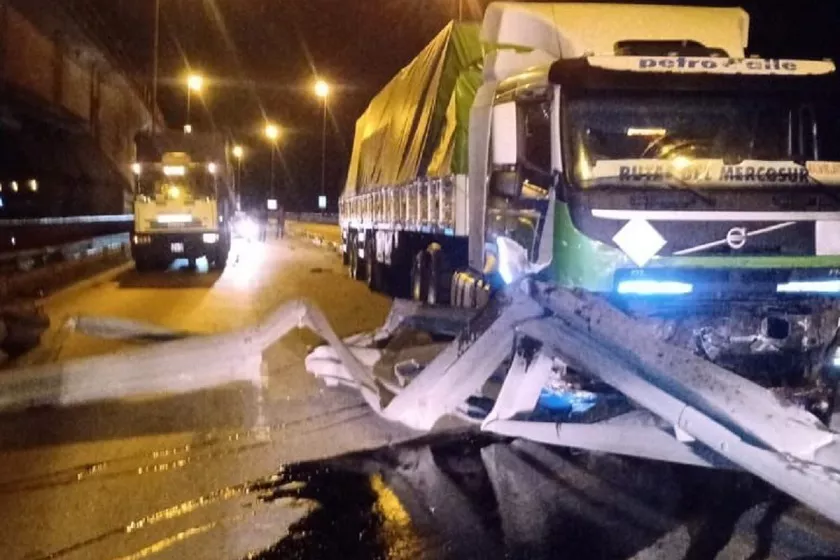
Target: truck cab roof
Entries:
(548, 32)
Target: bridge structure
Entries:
(69, 112)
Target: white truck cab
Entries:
(178, 213)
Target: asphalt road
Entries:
(231, 472)
(140, 475)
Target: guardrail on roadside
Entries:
(37, 270)
(18, 234)
(58, 221)
(312, 217)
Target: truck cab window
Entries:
(535, 142)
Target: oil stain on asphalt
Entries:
(466, 496)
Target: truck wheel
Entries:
(482, 295)
(352, 258)
(455, 290)
(345, 254)
(440, 278)
(420, 277)
(371, 266)
(220, 262)
(143, 264)
(468, 293)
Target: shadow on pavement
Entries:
(230, 406)
(178, 276)
(478, 497)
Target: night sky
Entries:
(262, 56)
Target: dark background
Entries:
(261, 58)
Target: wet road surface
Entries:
(116, 479)
(230, 472)
(477, 497)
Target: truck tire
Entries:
(345, 254)
(455, 290)
(420, 277)
(371, 266)
(220, 261)
(468, 293)
(440, 277)
(143, 264)
(482, 295)
(352, 258)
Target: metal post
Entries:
(323, 149)
(156, 44)
(271, 181)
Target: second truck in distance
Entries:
(184, 202)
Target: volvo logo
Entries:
(736, 237)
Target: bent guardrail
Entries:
(34, 233)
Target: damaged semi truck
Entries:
(634, 226)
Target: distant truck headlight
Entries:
(248, 228)
(210, 237)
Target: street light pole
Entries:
(272, 132)
(324, 148)
(238, 154)
(322, 90)
(194, 84)
(271, 180)
(156, 44)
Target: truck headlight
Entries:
(210, 237)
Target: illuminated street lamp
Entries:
(195, 83)
(238, 153)
(322, 90)
(272, 132)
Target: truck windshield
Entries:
(194, 182)
(705, 139)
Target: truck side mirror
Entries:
(505, 180)
(506, 183)
(504, 135)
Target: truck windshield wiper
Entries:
(673, 183)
